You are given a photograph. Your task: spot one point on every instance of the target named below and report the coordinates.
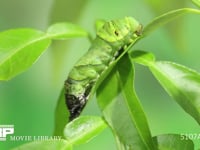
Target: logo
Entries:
(6, 130)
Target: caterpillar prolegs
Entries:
(109, 43)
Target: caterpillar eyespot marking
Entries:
(109, 44)
(116, 33)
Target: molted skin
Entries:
(110, 41)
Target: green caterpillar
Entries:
(110, 42)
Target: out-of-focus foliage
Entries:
(62, 11)
(46, 145)
(160, 7)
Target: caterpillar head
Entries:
(124, 30)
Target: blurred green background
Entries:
(28, 101)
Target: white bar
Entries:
(2, 139)
(6, 126)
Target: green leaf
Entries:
(83, 129)
(167, 17)
(196, 2)
(142, 57)
(182, 83)
(65, 31)
(46, 145)
(122, 109)
(173, 142)
(19, 49)
(61, 115)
